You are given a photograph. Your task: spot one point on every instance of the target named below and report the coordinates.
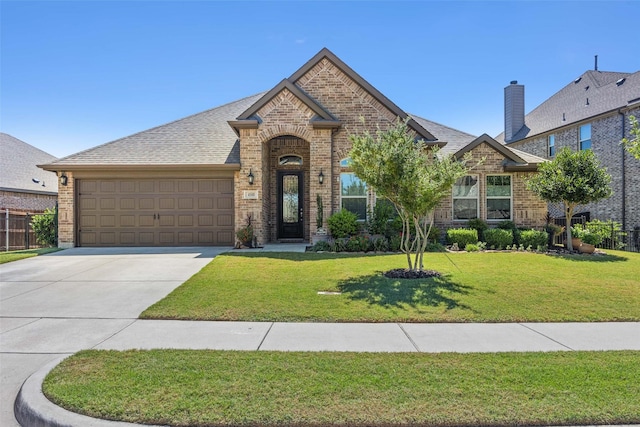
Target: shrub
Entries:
(435, 247)
(245, 234)
(462, 236)
(498, 238)
(339, 245)
(506, 225)
(321, 246)
(44, 226)
(380, 243)
(479, 225)
(343, 224)
(591, 238)
(610, 232)
(434, 234)
(357, 244)
(394, 243)
(471, 247)
(380, 217)
(534, 239)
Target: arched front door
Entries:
(290, 205)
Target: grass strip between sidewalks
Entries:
(217, 388)
(475, 287)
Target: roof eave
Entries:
(90, 167)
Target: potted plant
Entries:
(245, 234)
(589, 242)
(576, 236)
(321, 232)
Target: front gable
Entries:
(499, 157)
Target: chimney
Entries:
(513, 109)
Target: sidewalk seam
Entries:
(546, 336)
(115, 333)
(265, 336)
(413, 343)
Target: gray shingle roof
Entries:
(600, 87)
(201, 139)
(18, 168)
(454, 138)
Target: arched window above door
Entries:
(290, 159)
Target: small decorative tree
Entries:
(573, 178)
(633, 145)
(245, 234)
(412, 175)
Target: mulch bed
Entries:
(403, 273)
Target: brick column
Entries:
(320, 152)
(66, 212)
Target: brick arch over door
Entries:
(270, 132)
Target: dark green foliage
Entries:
(462, 236)
(380, 217)
(479, 225)
(358, 244)
(380, 243)
(321, 246)
(610, 233)
(498, 238)
(535, 239)
(45, 227)
(343, 224)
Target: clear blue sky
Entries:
(77, 74)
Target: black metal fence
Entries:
(613, 236)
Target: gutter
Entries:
(624, 180)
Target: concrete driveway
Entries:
(57, 304)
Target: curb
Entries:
(33, 409)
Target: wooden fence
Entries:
(16, 232)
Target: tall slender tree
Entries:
(412, 175)
(573, 178)
(633, 145)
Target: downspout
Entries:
(624, 183)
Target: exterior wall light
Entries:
(320, 177)
(250, 176)
(63, 179)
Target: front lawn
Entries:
(214, 388)
(475, 287)
(27, 253)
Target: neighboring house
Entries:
(195, 181)
(592, 112)
(25, 188)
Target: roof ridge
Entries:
(444, 126)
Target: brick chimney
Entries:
(513, 109)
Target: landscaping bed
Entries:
(215, 388)
(473, 287)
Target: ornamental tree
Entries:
(633, 145)
(412, 175)
(573, 178)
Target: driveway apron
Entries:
(57, 304)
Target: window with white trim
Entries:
(353, 194)
(551, 144)
(499, 194)
(584, 137)
(465, 198)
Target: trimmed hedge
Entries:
(535, 239)
(498, 238)
(462, 236)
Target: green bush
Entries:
(380, 244)
(471, 247)
(435, 247)
(321, 246)
(343, 224)
(535, 239)
(498, 238)
(394, 243)
(44, 226)
(462, 236)
(380, 218)
(609, 231)
(434, 234)
(357, 244)
(479, 225)
(339, 245)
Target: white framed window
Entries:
(499, 197)
(465, 195)
(353, 194)
(551, 145)
(584, 136)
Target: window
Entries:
(498, 197)
(290, 160)
(551, 141)
(585, 137)
(465, 198)
(353, 195)
(345, 163)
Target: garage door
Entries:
(155, 212)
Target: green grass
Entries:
(28, 253)
(214, 388)
(475, 287)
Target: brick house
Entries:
(196, 180)
(591, 112)
(25, 188)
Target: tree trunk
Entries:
(569, 215)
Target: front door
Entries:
(290, 205)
